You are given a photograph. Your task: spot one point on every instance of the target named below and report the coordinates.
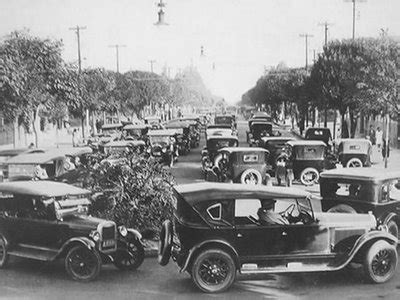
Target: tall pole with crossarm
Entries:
(354, 15)
(117, 53)
(306, 36)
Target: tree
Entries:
(32, 78)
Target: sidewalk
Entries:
(377, 159)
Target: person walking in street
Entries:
(379, 138)
(371, 135)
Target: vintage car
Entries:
(135, 132)
(109, 132)
(183, 135)
(363, 190)
(225, 120)
(153, 121)
(275, 146)
(194, 133)
(240, 165)
(213, 144)
(46, 220)
(219, 229)
(319, 134)
(163, 145)
(56, 162)
(355, 153)
(124, 146)
(7, 154)
(307, 159)
(261, 116)
(258, 130)
(219, 130)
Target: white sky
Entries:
(239, 36)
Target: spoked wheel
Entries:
(354, 163)
(131, 257)
(380, 262)
(3, 253)
(309, 176)
(213, 271)
(251, 176)
(83, 264)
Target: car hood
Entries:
(346, 220)
(82, 222)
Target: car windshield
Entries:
(309, 152)
(159, 139)
(71, 206)
(221, 143)
(223, 120)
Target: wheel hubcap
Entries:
(213, 271)
(381, 263)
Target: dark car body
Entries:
(355, 152)
(136, 131)
(163, 145)
(153, 121)
(47, 220)
(307, 159)
(363, 190)
(319, 134)
(7, 154)
(258, 130)
(241, 165)
(216, 233)
(183, 135)
(275, 146)
(219, 130)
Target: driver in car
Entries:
(267, 215)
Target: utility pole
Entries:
(117, 53)
(306, 36)
(354, 15)
(77, 30)
(326, 28)
(152, 61)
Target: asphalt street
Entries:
(27, 279)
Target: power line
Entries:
(306, 36)
(117, 53)
(354, 14)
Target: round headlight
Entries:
(123, 231)
(95, 235)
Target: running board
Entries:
(38, 253)
(292, 267)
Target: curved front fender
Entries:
(135, 233)
(84, 241)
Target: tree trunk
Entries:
(36, 125)
(345, 130)
(353, 124)
(94, 119)
(326, 117)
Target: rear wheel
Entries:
(213, 271)
(309, 176)
(380, 262)
(3, 253)
(165, 243)
(251, 176)
(354, 163)
(130, 257)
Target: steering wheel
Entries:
(305, 217)
(287, 213)
(253, 219)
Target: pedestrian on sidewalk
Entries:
(379, 138)
(371, 135)
(75, 138)
(384, 149)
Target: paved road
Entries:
(32, 279)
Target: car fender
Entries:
(364, 240)
(135, 233)
(216, 242)
(90, 244)
(390, 217)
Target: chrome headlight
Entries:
(383, 228)
(123, 231)
(95, 235)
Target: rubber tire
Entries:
(198, 261)
(370, 254)
(96, 271)
(165, 243)
(342, 208)
(306, 170)
(354, 160)
(5, 256)
(393, 228)
(139, 259)
(249, 171)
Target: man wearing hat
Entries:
(267, 216)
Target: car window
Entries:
(246, 207)
(394, 190)
(347, 189)
(215, 211)
(250, 158)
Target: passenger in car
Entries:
(267, 215)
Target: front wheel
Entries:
(213, 271)
(131, 256)
(82, 263)
(393, 228)
(380, 262)
(309, 176)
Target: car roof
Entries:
(124, 143)
(162, 132)
(318, 128)
(110, 126)
(222, 137)
(35, 158)
(152, 118)
(363, 141)
(242, 149)
(177, 124)
(198, 192)
(12, 152)
(71, 151)
(136, 126)
(306, 143)
(277, 138)
(41, 188)
(369, 174)
(259, 122)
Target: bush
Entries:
(132, 190)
